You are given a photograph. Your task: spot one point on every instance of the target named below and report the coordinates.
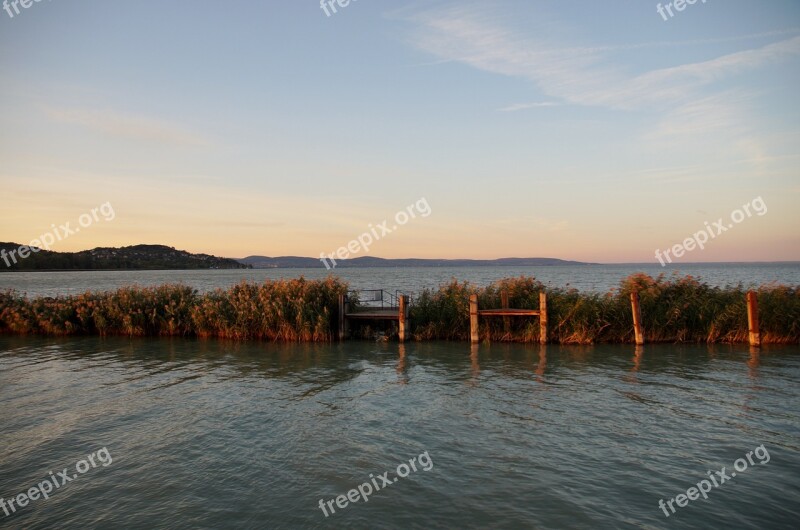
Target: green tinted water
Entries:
(207, 434)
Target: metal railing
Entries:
(377, 298)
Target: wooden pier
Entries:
(394, 311)
(506, 313)
(396, 308)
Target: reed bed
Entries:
(674, 309)
(283, 310)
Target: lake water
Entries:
(598, 278)
(212, 434)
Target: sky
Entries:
(581, 130)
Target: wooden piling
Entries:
(542, 318)
(752, 319)
(403, 318)
(637, 318)
(473, 318)
(504, 305)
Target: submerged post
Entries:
(637, 318)
(473, 318)
(403, 317)
(542, 318)
(752, 319)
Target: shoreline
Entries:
(674, 310)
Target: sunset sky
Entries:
(593, 131)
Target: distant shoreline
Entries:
(673, 266)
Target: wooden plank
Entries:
(473, 318)
(637, 318)
(508, 312)
(542, 318)
(752, 319)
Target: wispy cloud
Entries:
(578, 75)
(682, 43)
(129, 126)
(718, 113)
(523, 106)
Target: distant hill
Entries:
(136, 257)
(292, 262)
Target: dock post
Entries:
(403, 318)
(473, 318)
(504, 305)
(752, 319)
(542, 317)
(637, 318)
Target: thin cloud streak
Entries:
(524, 106)
(128, 126)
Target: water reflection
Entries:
(638, 352)
(402, 367)
(755, 361)
(319, 366)
(474, 363)
(542, 364)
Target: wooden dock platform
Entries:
(398, 306)
(397, 309)
(389, 313)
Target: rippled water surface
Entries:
(207, 434)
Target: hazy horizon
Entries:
(459, 258)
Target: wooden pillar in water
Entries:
(403, 318)
(542, 318)
(752, 319)
(637, 318)
(473, 318)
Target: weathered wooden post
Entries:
(542, 317)
(637, 318)
(752, 319)
(403, 317)
(504, 305)
(473, 318)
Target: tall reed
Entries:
(676, 309)
(283, 310)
